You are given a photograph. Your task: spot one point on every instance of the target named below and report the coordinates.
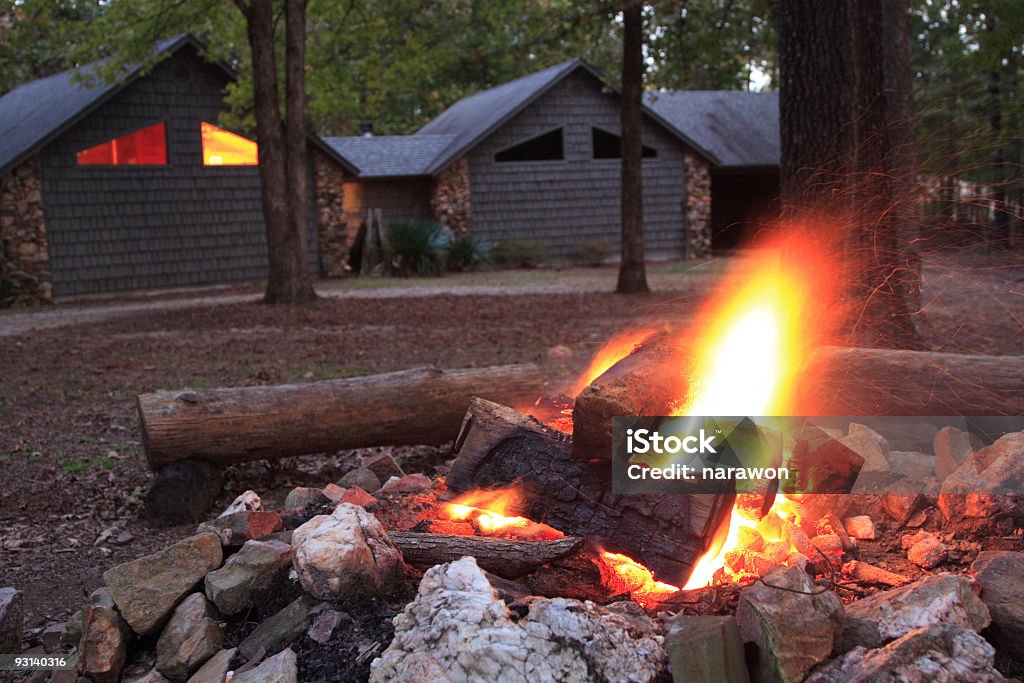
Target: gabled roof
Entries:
(473, 118)
(390, 156)
(740, 128)
(34, 114)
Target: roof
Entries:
(389, 156)
(34, 114)
(740, 128)
(473, 118)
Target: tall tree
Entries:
(632, 269)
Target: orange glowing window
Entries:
(223, 148)
(145, 146)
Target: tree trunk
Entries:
(632, 270)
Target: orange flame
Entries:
(489, 511)
(611, 353)
(629, 576)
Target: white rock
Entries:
(249, 500)
(860, 527)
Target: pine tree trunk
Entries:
(632, 270)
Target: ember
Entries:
(487, 511)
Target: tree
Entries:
(839, 125)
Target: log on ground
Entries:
(507, 558)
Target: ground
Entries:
(70, 455)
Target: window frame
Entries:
(524, 140)
(106, 167)
(202, 147)
(594, 157)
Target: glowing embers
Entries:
(223, 148)
(623, 574)
(487, 512)
(147, 146)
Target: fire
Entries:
(629, 576)
(611, 353)
(488, 510)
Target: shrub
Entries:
(519, 253)
(594, 252)
(466, 252)
(417, 248)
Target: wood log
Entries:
(505, 557)
(183, 491)
(500, 447)
(869, 573)
(226, 426)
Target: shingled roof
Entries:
(740, 128)
(389, 156)
(34, 114)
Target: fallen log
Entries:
(232, 425)
(869, 573)
(500, 447)
(505, 557)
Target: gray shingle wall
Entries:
(564, 203)
(132, 227)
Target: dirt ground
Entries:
(70, 457)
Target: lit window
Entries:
(146, 146)
(546, 147)
(223, 148)
(609, 145)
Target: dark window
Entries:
(609, 145)
(147, 146)
(546, 147)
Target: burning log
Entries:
(505, 557)
(232, 425)
(499, 446)
(869, 573)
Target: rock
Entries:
(457, 629)
(246, 501)
(104, 645)
(797, 538)
(952, 448)
(863, 431)
(361, 477)
(324, 625)
(248, 575)
(861, 527)
(410, 483)
(1001, 577)
(793, 626)
(988, 483)
(12, 620)
(831, 547)
(938, 654)
(53, 636)
(192, 635)
(216, 668)
(560, 352)
(938, 599)
(280, 629)
(345, 554)
(867, 447)
(301, 496)
(238, 527)
(913, 465)
(928, 553)
(151, 676)
(146, 590)
(902, 500)
(706, 649)
(383, 466)
(830, 524)
(357, 496)
(281, 668)
(908, 541)
(334, 493)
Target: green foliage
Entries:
(417, 248)
(519, 253)
(594, 252)
(466, 252)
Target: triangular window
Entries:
(224, 148)
(546, 147)
(147, 146)
(609, 145)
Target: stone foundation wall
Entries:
(24, 254)
(449, 197)
(698, 206)
(332, 231)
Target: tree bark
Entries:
(507, 558)
(632, 269)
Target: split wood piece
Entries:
(500, 447)
(505, 557)
(869, 573)
(183, 491)
(231, 425)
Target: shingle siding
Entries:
(132, 227)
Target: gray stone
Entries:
(151, 676)
(913, 465)
(345, 554)
(247, 575)
(192, 635)
(279, 630)
(146, 590)
(939, 599)
(866, 446)
(794, 624)
(104, 645)
(410, 483)
(1001, 577)
(361, 477)
(937, 654)
(215, 669)
(384, 466)
(859, 430)
(706, 649)
(989, 483)
(281, 668)
(12, 620)
(952, 448)
(324, 625)
(238, 527)
(301, 496)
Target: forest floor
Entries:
(70, 455)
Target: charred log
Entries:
(507, 558)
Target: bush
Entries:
(522, 253)
(466, 252)
(594, 252)
(417, 248)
